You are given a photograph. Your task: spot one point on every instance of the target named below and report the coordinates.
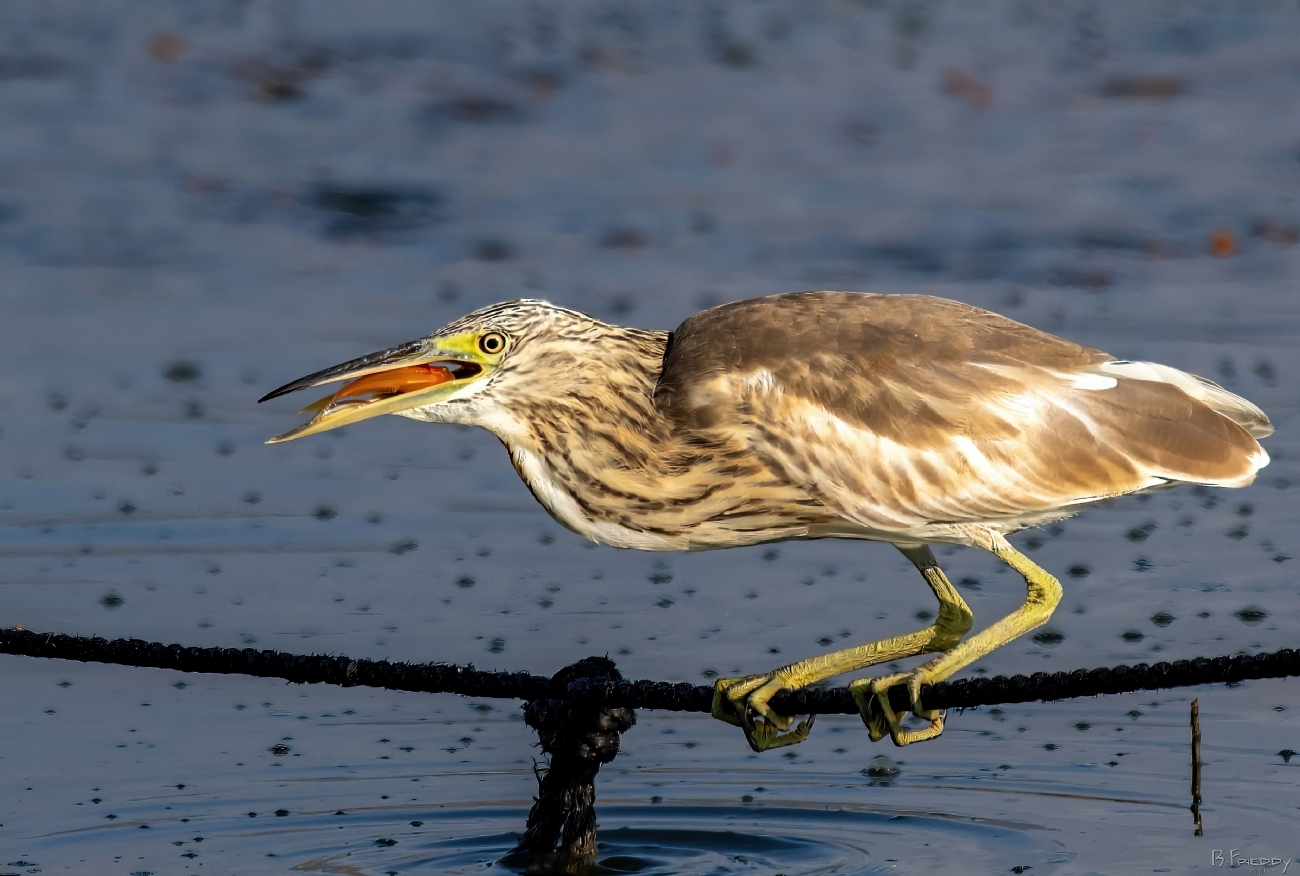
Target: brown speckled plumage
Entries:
(898, 418)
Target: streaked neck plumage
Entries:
(584, 433)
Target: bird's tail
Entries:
(1246, 415)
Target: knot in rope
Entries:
(580, 734)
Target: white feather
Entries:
(1094, 381)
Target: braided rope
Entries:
(580, 713)
(683, 697)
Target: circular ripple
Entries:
(715, 840)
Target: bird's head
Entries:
(465, 372)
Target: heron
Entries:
(906, 419)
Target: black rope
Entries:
(613, 690)
(298, 668)
(580, 737)
(580, 713)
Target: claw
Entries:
(872, 697)
(874, 717)
(743, 703)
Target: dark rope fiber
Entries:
(611, 690)
(580, 713)
(580, 737)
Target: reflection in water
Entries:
(1196, 767)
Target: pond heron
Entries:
(900, 418)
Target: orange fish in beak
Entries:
(373, 387)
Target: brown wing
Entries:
(901, 411)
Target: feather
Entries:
(905, 413)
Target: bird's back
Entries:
(905, 413)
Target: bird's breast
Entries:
(567, 505)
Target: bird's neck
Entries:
(607, 463)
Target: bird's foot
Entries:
(872, 697)
(743, 702)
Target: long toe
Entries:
(875, 710)
(731, 698)
(875, 719)
(758, 703)
(766, 737)
(743, 702)
(872, 698)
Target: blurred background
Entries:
(202, 200)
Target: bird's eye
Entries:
(492, 342)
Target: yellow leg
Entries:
(872, 694)
(739, 700)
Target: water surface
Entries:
(201, 202)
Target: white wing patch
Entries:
(1155, 373)
(1094, 381)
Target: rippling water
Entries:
(199, 202)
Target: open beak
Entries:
(407, 376)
